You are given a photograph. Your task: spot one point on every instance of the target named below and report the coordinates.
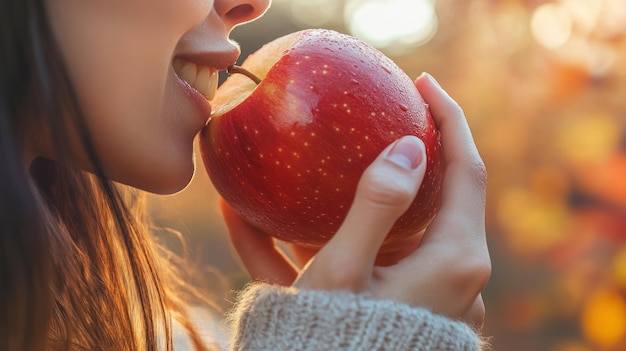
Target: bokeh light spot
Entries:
(551, 25)
(385, 22)
(604, 317)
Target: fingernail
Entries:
(407, 152)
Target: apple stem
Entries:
(238, 69)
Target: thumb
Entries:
(385, 191)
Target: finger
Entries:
(257, 250)
(453, 248)
(458, 230)
(449, 118)
(385, 191)
(464, 184)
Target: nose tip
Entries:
(236, 12)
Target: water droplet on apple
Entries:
(403, 107)
(386, 69)
(354, 81)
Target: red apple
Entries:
(287, 154)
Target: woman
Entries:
(91, 99)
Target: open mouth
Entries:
(203, 79)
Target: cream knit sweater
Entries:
(272, 318)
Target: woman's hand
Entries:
(444, 270)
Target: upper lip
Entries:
(200, 70)
(219, 60)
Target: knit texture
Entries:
(268, 317)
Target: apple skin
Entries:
(287, 154)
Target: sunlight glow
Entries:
(551, 25)
(384, 23)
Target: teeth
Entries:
(188, 73)
(203, 79)
(206, 82)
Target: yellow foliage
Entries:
(604, 317)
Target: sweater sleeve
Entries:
(268, 317)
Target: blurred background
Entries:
(543, 84)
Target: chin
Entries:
(171, 173)
(166, 180)
(174, 184)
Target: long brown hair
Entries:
(79, 269)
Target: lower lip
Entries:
(201, 103)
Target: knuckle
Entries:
(381, 190)
(482, 273)
(473, 274)
(478, 172)
(468, 271)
